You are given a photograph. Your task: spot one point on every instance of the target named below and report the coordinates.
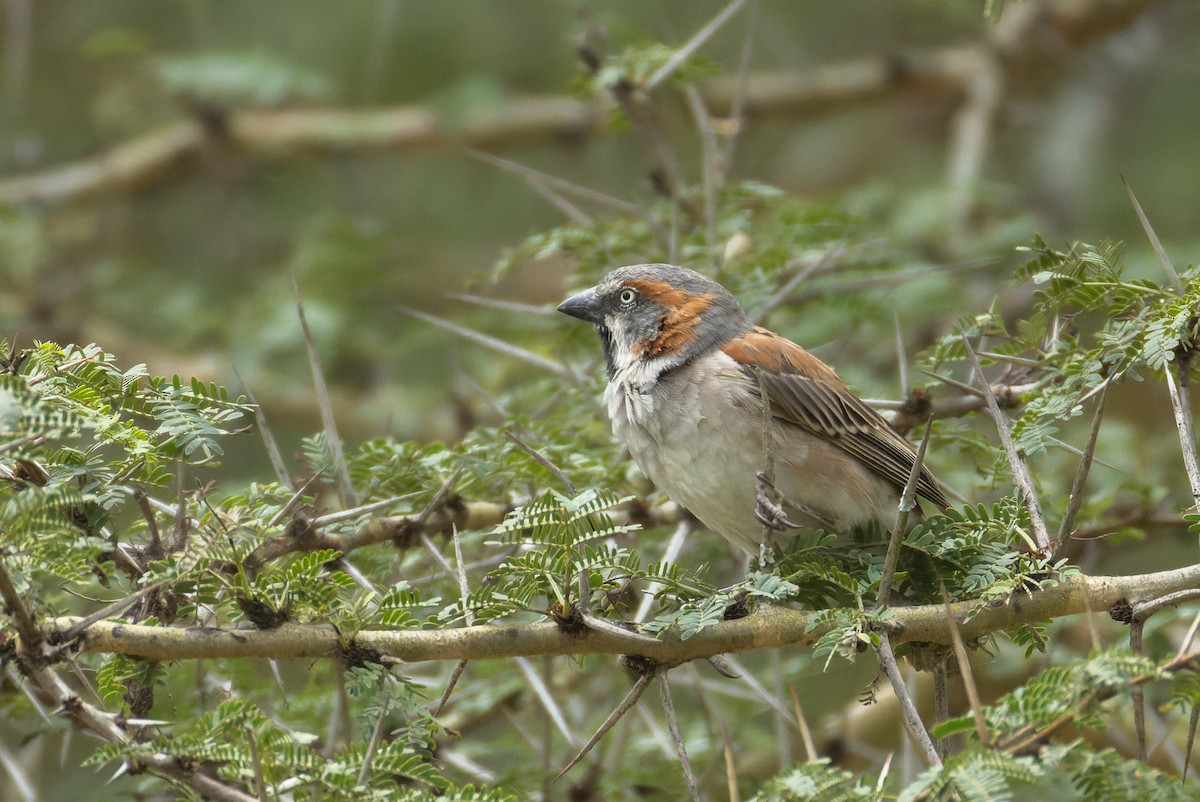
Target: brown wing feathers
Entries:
(804, 391)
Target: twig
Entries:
(32, 639)
(376, 739)
(294, 499)
(692, 45)
(495, 344)
(901, 357)
(1136, 628)
(328, 421)
(912, 719)
(1180, 406)
(631, 699)
(759, 690)
(544, 461)
(664, 690)
(908, 502)
(731, 776)
(360, 510)
(670, 553)
(1159, 251)
(964, 667)
(802, 270)
(1186, 643)
(1016, 464)
(941, 702)
(810, 746)
(111, 609)
(537, 177)
(972, 129)
(264, 431)
(502, 304)
(708, 166)
(260, 780)
(1075, 499)
(547, 701)
(898, 277)
(19, 778)
(464, 592)
(1143, 610)
(734, 116)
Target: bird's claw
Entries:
(768, 512)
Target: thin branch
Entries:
(941, 702)
(494, 343)
(1186, 643)
(1181, 407)
(692, 45)
(731, 775)
(1159, 251)
(670, 554)
(360, 510)
(264, 431)
(802, 269)
(631, 699)
(971, 130)
(733, 119)
(16, 772)
(901, 356)
(544, 461)
(664, 690)
(908, 502)
(32, 639)
(912, 719)
(1136, 628)
(375, 741)
(810, 746)
(547, 700)
(964, 668)
(503, 305)
(1016, 464)
(328, 421)
(536, 178)
(708, 165)
(113, 609)
(294, 499)
(464, 591)
(1075, 499)
(1143, 610)
(759, 690)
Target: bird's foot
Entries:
(768, 511)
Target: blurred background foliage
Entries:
(190, 267)
(190, 270)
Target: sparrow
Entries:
(688, 374)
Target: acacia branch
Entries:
(405, 530)
(28, 647)
(770, 627)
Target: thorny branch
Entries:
(28, 649)
(769, 627)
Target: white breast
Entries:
(697, 433)
(692, 444)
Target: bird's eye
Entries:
(628, 296)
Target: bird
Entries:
(687, 377)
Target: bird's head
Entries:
(657, 315)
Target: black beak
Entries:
(583, 305)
